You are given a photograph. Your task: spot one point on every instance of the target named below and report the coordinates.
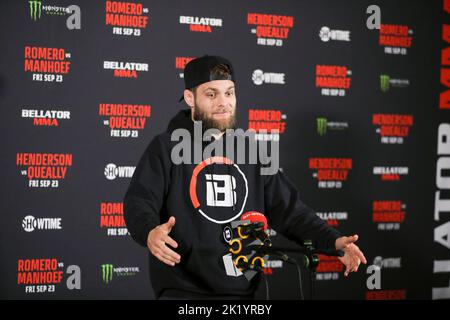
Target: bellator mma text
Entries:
(226, 309)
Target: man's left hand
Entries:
(353, 256)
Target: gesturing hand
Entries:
(157, 241)
(353, 256)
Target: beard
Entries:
(209, 122)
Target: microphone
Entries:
(272, 249)
(243, 264)
(309, 257)
(257, 227)
(265, 249)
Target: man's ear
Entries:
(189, 98)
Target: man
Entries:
(179, 211)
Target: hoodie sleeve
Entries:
(291, 217)
(146, 193)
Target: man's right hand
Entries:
(157, 241)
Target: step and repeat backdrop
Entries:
(363, 116)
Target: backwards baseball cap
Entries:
(199, 71)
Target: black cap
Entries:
(198, 71)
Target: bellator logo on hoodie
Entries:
(214, 186)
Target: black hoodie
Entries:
(160, 189)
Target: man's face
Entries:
(215, 104)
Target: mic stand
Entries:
(310, 261)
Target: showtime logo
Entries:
(30, 223)
(111, 219)
(393, 128)
(126, 18)
(270, 29)
(326, 34)
(181, 62)
(333, 218)
(333, 80)
(328, 268)
(46, 64)
(46, 274)
(125, 69)
(125, 120)
(395, 39)
(44, 169)
(388, 215)
(331, 172)
(272, 121)
(45, 118)
(112, 171)
(387, 263)
(200, 24)
(260, 77)
(390, 173)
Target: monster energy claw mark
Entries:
(107, 273)
(35, 9)
(384, 82)
(321, 126)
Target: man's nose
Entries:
(222, 100)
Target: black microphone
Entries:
(245, 265)
(271, 250)
(255, 230)
(268, 248)
(257, 226)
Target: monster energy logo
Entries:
(35, 9)
(384, 82)
(107, 273)
(321, 126)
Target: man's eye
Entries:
(210, 95)
(230, 93)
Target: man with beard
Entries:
(180, 211)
